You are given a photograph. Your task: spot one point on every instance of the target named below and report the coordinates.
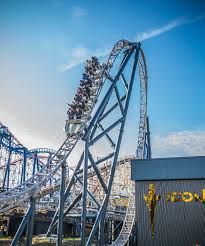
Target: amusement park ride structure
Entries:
(92, 184)
(17, 163)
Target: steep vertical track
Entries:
(36, 185)
(128, 223)
(33, 185)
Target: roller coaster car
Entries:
(73, 127)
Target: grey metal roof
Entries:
(168, 168)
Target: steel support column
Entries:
(31, 222)
(149, 150)
(85, 172)
(66, 194)
(61, 205)
(23, 169)
(7, 171)
(102, 211)
(108, 94)
(110, 231)
(21, 227)
(101, 236)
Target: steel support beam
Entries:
(111, 109)
(89, 193)
(101, 236)
(102, 211)
(112, 144)
(61, 205)
(106, 131)
(110, 230)
(149, 150)
(66, 211)
(23, 170)
(108, 94)
(7, 171)
(98, 162)
(119, 100)
(21, 227)
(97, 172)
(68, 188)
(31, 222)
(124, 81)
(85, 183)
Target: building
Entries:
(170, 201)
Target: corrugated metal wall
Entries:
(176, 224)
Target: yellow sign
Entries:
(186, 196)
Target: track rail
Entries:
(36, 185)
(102, 167)
(7, 135)
(33, 186)
(128, 223)
(17, 162)
(56, 187)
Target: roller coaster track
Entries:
(128, 223)
(18, 163)
(36, 185)
(102, 167)
(32, 186)
(48, 190)
(15, 143)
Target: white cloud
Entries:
(183, 143)
(78, 11)
(80, 53)
(77, 56)
(168, 27)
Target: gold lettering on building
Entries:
(185, 196)
(151, 199)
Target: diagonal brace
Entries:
(119, 100)
(111, 109)
(97, 172)
(106, 131)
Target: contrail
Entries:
(79, 60)
(168, 27)
(140, 37)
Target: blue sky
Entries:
(43, 44)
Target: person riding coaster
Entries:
(81, 106)
(86, 82)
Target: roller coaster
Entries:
(29, 178)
